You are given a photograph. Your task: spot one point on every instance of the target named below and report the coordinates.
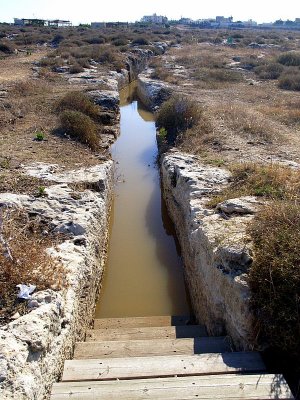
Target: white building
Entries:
(154, 19)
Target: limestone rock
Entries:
(107, 99)
(241, 205)
(152, 93)
(216, 251)
(34, 346)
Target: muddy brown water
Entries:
(144, 273)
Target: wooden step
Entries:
(218, 387)
(160, 366)
(137, 322)
(160, 332)
(152, 347)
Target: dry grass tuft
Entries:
(275, 276)
(177, 115)
(78, 101)
(248, 122)
(23, 259)
(270, 181)
(81, 127)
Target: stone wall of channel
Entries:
(215, 247)
(34, 346)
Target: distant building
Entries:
(154, 19)
(224, 22)
(58, 23)
(117, 24)
(98, 25)
(30, 22)
(185, 21)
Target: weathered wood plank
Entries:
(161, 332)
(131, 322)
(160, 366)
(218, 387)
(152, 347)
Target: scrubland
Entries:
(238, 96)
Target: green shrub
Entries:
(81, 127)
(275, 276)
(78, 101)
(290, 59)
(269, 71)
(39, 136)
(177, 115)
(290, 80)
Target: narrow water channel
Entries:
(144, 274)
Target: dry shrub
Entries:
(76, 68)
(31, 87)
(6, 47)
(200, 136)
(213, 75)
(286, 112)
(247, 122)
(177, 115)
(290, 80)
(78, 101)
(275, 276)
(289, 59)
(18, 182)
(164, 74)
(269, 71)
(195, 56)
(28, 262)
(270, 181)
(81, 127)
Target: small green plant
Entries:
(39, 136)
(162, 133)
(41, 191)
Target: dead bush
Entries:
(177, 115)
(290, 80)
(81, 127)
(248, 123)
(6, 47)
(217, 75)
(289, 59)
(78, 101)
(31, 87)
(275, 276)
(24, 260)
(76, 68)
(270, 181)
(269, 71)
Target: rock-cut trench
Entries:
(144, 273)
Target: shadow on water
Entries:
(144, 274)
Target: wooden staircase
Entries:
(163, 358)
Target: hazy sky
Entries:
(132, 10)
